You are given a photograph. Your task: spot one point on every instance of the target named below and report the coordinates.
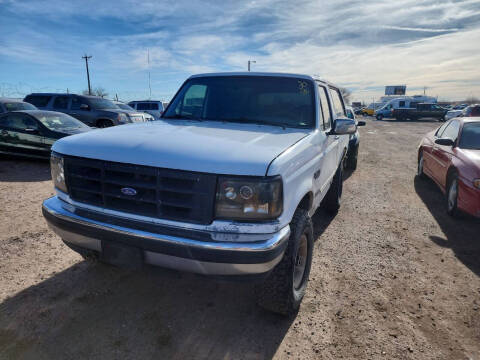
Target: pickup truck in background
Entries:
(224, 185)
(422, 110)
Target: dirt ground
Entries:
(393, 277)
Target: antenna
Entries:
(149, 84)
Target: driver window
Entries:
(441, 129)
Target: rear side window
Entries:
(18, 122)
(326, 114)
(38, 100)
(451, 131)
(475, 111)
(337, 102)
(401, 104)
(60, 102)
(143, 106)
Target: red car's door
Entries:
(442, 155)
(428, 144)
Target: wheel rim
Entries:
(420, 165)
(452, 195)
(300, 263)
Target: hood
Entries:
(213, 147)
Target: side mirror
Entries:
(84, 107)
(361, 123)
(445, 142)
(343, 127)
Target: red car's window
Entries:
(470, 138)
(451, 131)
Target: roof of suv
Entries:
(272, 74)
(64, 94)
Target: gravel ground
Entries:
(393, 277)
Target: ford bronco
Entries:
(224, 184)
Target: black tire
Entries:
(104, 123)
(333, 198)
(451, 195)
(379, 117)
(352, 159)
(420, 162)
(282, 291)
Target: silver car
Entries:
(135, 116)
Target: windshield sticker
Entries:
(303, 87)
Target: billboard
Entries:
(395, 90)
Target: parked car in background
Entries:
(7, 105)
(91, 110)
(134, 116)
(354, 142)
(31, 133)
(370, 109)
(451, 157)
(471, 110)
(402, 102)
(152, 107)
(419, 112)
(455, 111)
(230, 195)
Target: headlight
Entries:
(122, 118)
(476, 183)
(58, 174)
(249, 198)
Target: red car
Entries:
(450, 156)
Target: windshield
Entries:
(125, 107)
(470, 138)
(15, 106)
(99, 103)
(280, 101)
(58, 122)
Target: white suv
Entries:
(154, 108)
(224, 185)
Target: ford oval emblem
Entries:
(128, 191)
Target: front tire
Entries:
(379, 117)
(283, 290)
(452, 195)
(420, 165)
(104, 123)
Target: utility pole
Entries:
(251, 62)
(149, 83)
(88, 74)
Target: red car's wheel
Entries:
(452, 195)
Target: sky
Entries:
(359, 44)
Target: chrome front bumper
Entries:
(250, 254)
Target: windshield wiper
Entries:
(185, 117)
